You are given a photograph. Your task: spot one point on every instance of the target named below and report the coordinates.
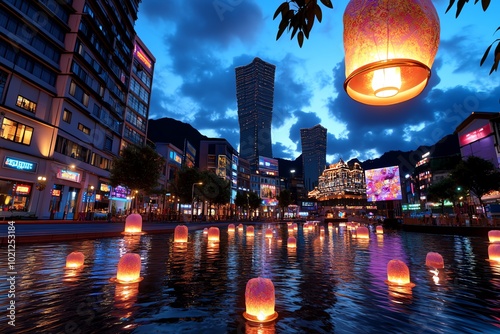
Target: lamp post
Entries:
(40, 186)
(192, 198)
(90, 191)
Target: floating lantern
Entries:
(230, 228)
(129, 269)
(133, 224)
(292, 242)
(205, 230)
(494, 235)
(269, 233)
(494, 252)
(213, 234)
(389, 49)
(240, 227)
(330, 226)
(290, 229)
(322, 231)
(398, 273)
(434, 260)
(259, 300)
(362, 232)
(181, 233)
(295, 226)
(379, 229)
(75, 260)
(310, 227)
(250, 231)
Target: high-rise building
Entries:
(75, 83)
(255, 94)
(313, 154)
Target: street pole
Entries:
(40, 186)
(192, 198)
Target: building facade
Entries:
(68, 79)
(255, 96)
(313, 142)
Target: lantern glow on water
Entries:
(75, 260)
(129, 269)
(230, 228)
(292, 242)
(181, 233)
(260, 300)
(494, 235)
(362, 232)
(434, 260)
(398, 274)
(133, 224)
(494, 252)
(213, 234)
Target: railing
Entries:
(452, 221)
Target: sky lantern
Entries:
(260, 300)
(494, 235)
(398, 273)
(292, 242)
(250, 231)
(129, 269)
(494, 252)
(213, 234)
(133, 224)
(434, 260)
(230, 228)
(389, 49)
(75, 260)
(362, 232)
(379, 229)
(181, 233)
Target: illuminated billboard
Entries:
(383, 184)
(268, 166)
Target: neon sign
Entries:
(26, 166)
(475, 135)
(68, 175)
(141, 56)
(22, 189)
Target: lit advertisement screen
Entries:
(383, 184)
(268, 166)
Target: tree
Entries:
(241, 200)
(254, 201)
(182, 184)
(137, 167)
(285, 199)
(477, 176)
(215, 189)
(445, 189)
(299, 15)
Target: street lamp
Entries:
(90, 191)
(40, 186)
(192, 198)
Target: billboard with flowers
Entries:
(383, 184)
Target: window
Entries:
(67, 116)
(78, 93)
(83, 129)
(16, 132)
(26, 104)
(108, 143)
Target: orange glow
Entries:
(322, 231)
(230, 228)
(75, 260)
(494, 252)
(494, 235)
(398, 273)
(379, 229)
(250, 231)
(362, 233)
(269, 233)
(133, 223)
(330, 226)
(290, 229)
(259, 300)
(295, 226)
(181, 233)
(213, 234)
(292, 242)
(205, 230)
(434, 260)
(240, 227)
(389, 49)
(129, 269)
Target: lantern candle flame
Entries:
(75, 260)
(260, 300)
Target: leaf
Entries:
(487, 51)
(460, 6)
(327, 3)
(318, 12)
(300, 38)
(279, 10)
(450, 5)
(485, 4)
(281, 30)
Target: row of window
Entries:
(140, 91)
(70, 148)
(56, 8)
(26, 104)
(107, 119)
(78, 93)
(16, 132)
(88, 79)
(141, 74)
(138, 106)
(133, 135)
(137, 121)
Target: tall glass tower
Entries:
(313, 154)
(255, 93)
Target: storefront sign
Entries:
(56, 192)
(475, 135)
(120, 192)
(69, 175)
(22, 189)
(18, 164)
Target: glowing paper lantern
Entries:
(259, 300)
(133, 223)
(494, 235)
(250, 231)
(292, 242)
(434, 260)
(494, 252)
(230, 228)
(362, 233)
(379, 229)
(398, 273)
(389, 49)
(295, 226)
(129, 269)
(181, 233)
(213, 234)
(205, 230)
(322, 231)
(269, 233)
(75, 260)
(240, 227)
(330, 226)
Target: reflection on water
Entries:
(330, 283)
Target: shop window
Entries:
(16, 132)
(26, 104)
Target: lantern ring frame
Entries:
(253, 318)
(382, 64)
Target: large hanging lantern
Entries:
(259, 300)
(389, 49)
(181, 233)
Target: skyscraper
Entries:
(313, 154)
(255, 93)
